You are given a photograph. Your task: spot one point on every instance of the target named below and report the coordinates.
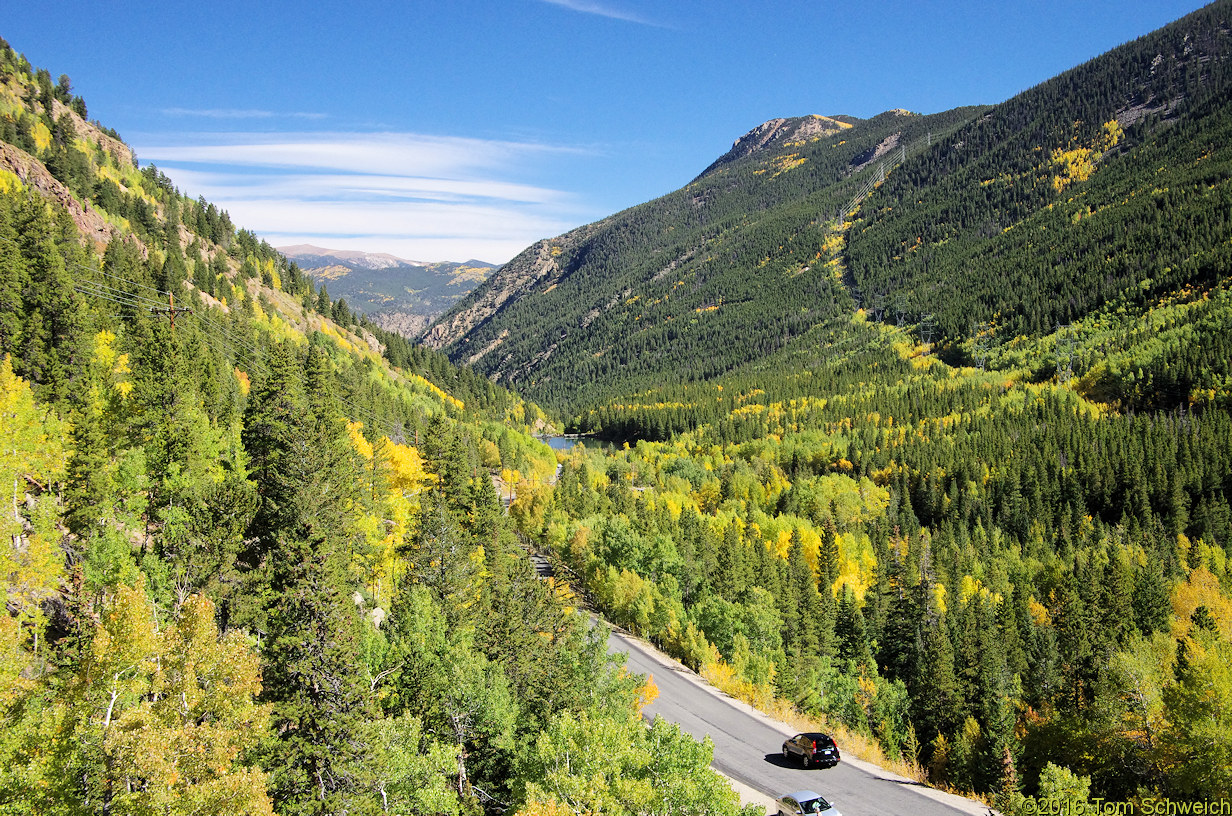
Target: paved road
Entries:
(747, 747)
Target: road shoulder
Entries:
(750, 795)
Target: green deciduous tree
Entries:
(584, 764)
(1199, 712)
(153, 720)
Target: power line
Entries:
(134, 283)
(112, 291)
(233, 336)
(224, 345)
(87, 288)
(872, 182)
(227, 342)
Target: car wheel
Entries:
(786, 754)
(805, 761)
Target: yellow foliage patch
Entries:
(1039, 613)
(939, 596)
(42, 136)
(1078, 163)
(1200, 589)
(782, 164)
(647, 694)
(1072, 165)
(9, 183)
(362, 446)
(418, 380)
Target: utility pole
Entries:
(926, 332)
(171, 311)
(1065, 352)
(981, 339)
(879, 304)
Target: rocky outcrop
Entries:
(537, 267)
(407, 324)
(883, 147)
(33, 174)
(778, 132)
(511, 280)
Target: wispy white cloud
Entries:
(237, 113)
(385, 153)
(416, 230)
(602, 10)
(362, 186)
(411, 195)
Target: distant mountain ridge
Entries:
(397, 294)
(354, 258)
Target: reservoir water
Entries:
(564, 443)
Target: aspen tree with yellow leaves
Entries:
(155, 719)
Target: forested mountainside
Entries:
(949, 464)
(400, 296)
(911, 507)
(733, 266)
(254, 555)
(1103, 184)
(1106, 184)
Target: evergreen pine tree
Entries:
(935, 697)
(320, 702)
(809, 614)
(304, 470)
(733, 575)
(850, 635)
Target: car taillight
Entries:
(814, 745)
(835, 744)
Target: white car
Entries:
(805, 803)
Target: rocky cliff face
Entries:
(780, 132)
(31, 172)
(34, 174)
(405, 323)
(535, 269)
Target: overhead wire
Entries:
(225, 346)
(365, 413)
(234, 337)
(114, 297)
(103, 289)
(134, 283)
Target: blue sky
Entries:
(462, 129)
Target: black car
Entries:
(813, 749)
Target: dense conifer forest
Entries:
(945, 456)
(254, 559)
(921, 429)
